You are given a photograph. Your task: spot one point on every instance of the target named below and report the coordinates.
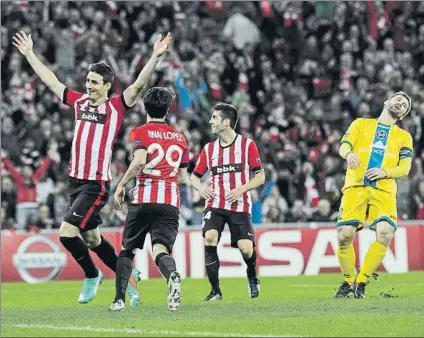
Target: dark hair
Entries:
(157, 101)
(104, 70)
(227, 111)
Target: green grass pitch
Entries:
(287, 306)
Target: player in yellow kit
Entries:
(377, 152)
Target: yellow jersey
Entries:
(378, 146)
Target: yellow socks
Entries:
(373, 259)
(347, 258)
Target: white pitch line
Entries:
(134, 331)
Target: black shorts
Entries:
(239, 223)
(160, 220)
(87, 199)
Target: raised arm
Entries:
(25, 46)
(160, 46)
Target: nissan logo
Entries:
(24, 260)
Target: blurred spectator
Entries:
(8, 199)
(111, 216)
(298, 213)
(241, 31)
(25, 179)
(256, 207)
(274, 207)
(323, 214)
(41, 220)
(58, 202)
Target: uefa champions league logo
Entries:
(25, 260)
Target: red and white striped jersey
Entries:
(167, 151)
(95, 131)
(229, 167)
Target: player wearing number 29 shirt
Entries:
(230, 159)
(98, 119)
(160, 163)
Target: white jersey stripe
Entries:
(214, 159)
(226, 176)
(107, 174)
(135, 193)
(174, 194)
(247, 173)
(147, 188)
(161, 191)
(207, 156)
(238, 159)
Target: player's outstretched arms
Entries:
(160, 46)
(25, 45)
(206, 192)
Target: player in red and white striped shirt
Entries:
(229, 159)
(98, 119)
(160, 163)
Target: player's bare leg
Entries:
(375, 255)
(249, 255)
(212, 264)
(167, 267)
(68, 234)
(346, 256)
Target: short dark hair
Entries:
(157, 101)
(104, 70)
(227, 111)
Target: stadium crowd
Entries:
(298, 72)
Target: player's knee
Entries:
(92, 238)
(385, 232)
(246, 247)
(345, 234)
(68, 230)
(211, 237)
(159, 249)
(93, 242)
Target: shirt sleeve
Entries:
(136, 140)
(186, 157)
(201, 165)
(406, 150)
(351, 134)
(254, 158)
(70, 96)
(120, 104)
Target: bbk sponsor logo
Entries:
(229, 168)
(39, 259)
(91, 117)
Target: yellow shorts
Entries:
(360, 202)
